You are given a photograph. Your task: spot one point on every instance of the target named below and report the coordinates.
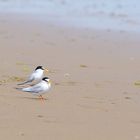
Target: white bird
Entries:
(39, 89)
(35, 76)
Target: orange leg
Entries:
(41, 97)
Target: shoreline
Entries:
(96, 21)
(50, 22)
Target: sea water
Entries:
(99, 14)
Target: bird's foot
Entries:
(41, 98)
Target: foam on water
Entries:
(102, 14)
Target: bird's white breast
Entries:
(38, 74)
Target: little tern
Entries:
(39, 89)
(36, 75)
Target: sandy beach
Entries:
(95, 75)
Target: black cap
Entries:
(45, 79)
(39, 67)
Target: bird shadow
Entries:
(34, 98)
(23, 97)
(30, 98)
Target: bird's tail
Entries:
(25, 82)
(18, 88)
(24, 89)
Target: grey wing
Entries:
(30, 79)
(36, 89)
(25, 82)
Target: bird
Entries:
(36, 75)
(38, 89)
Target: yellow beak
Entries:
(46, 70)
(49, 82)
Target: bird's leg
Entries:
(41, 97)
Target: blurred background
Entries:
(102, 14)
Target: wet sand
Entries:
(94, 73)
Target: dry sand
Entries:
(93, 73)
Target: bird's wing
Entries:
(25, 82)
(30, 79)
(34, 89)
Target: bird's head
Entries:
(46, 79)
(41, 68)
